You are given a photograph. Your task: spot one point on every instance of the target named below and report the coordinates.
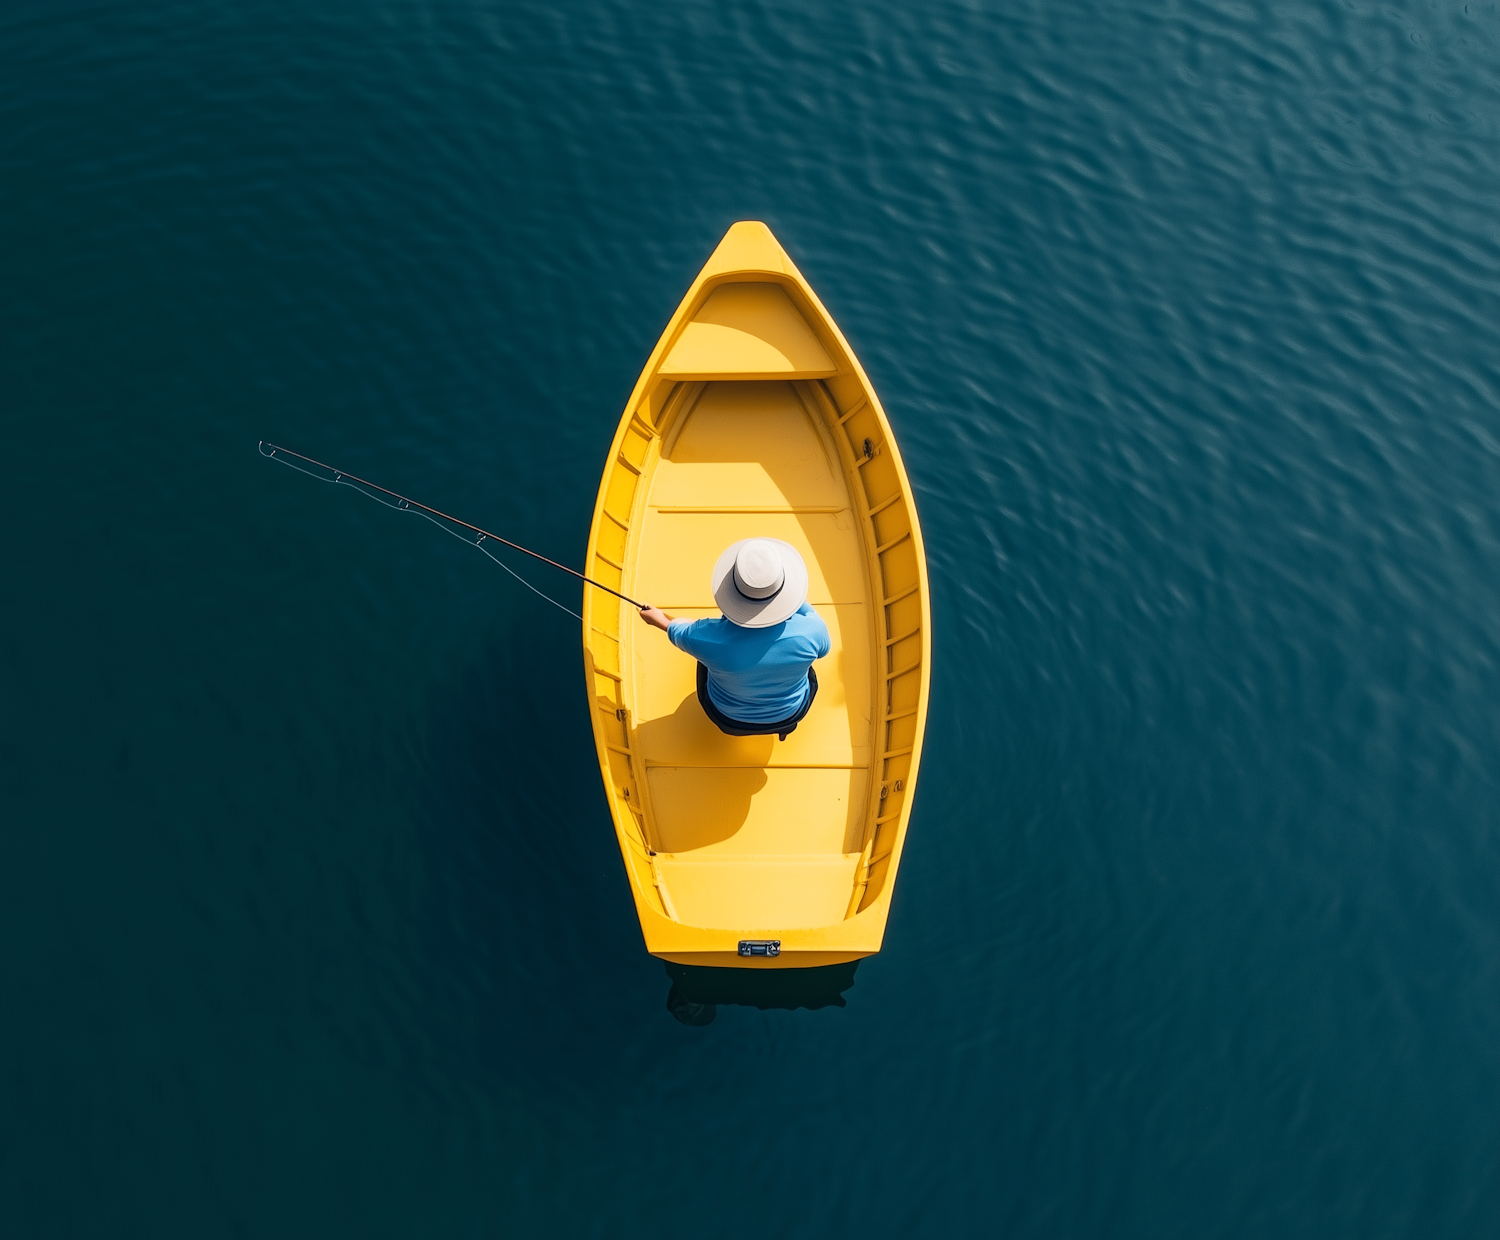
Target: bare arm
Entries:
(655, 617)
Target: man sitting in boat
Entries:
(755, 673)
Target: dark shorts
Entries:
(733, 727)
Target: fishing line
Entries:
(342, 479)
(403, 504)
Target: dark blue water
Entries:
(312, 920)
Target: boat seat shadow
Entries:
(731, 801)
(688, 736)
(708, 798)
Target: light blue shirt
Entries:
(755, 675)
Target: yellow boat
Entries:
(753, 418)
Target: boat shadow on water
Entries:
(698, 990)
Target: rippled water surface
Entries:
(312, 921)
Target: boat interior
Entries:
(747, 459)
(751, 428)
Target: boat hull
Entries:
(752, 418)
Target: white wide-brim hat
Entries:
(759, 582)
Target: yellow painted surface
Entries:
(748, 330)
(752, 418)
(790, 893)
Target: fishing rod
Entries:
(274, 452)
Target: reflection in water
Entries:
(697, 989)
